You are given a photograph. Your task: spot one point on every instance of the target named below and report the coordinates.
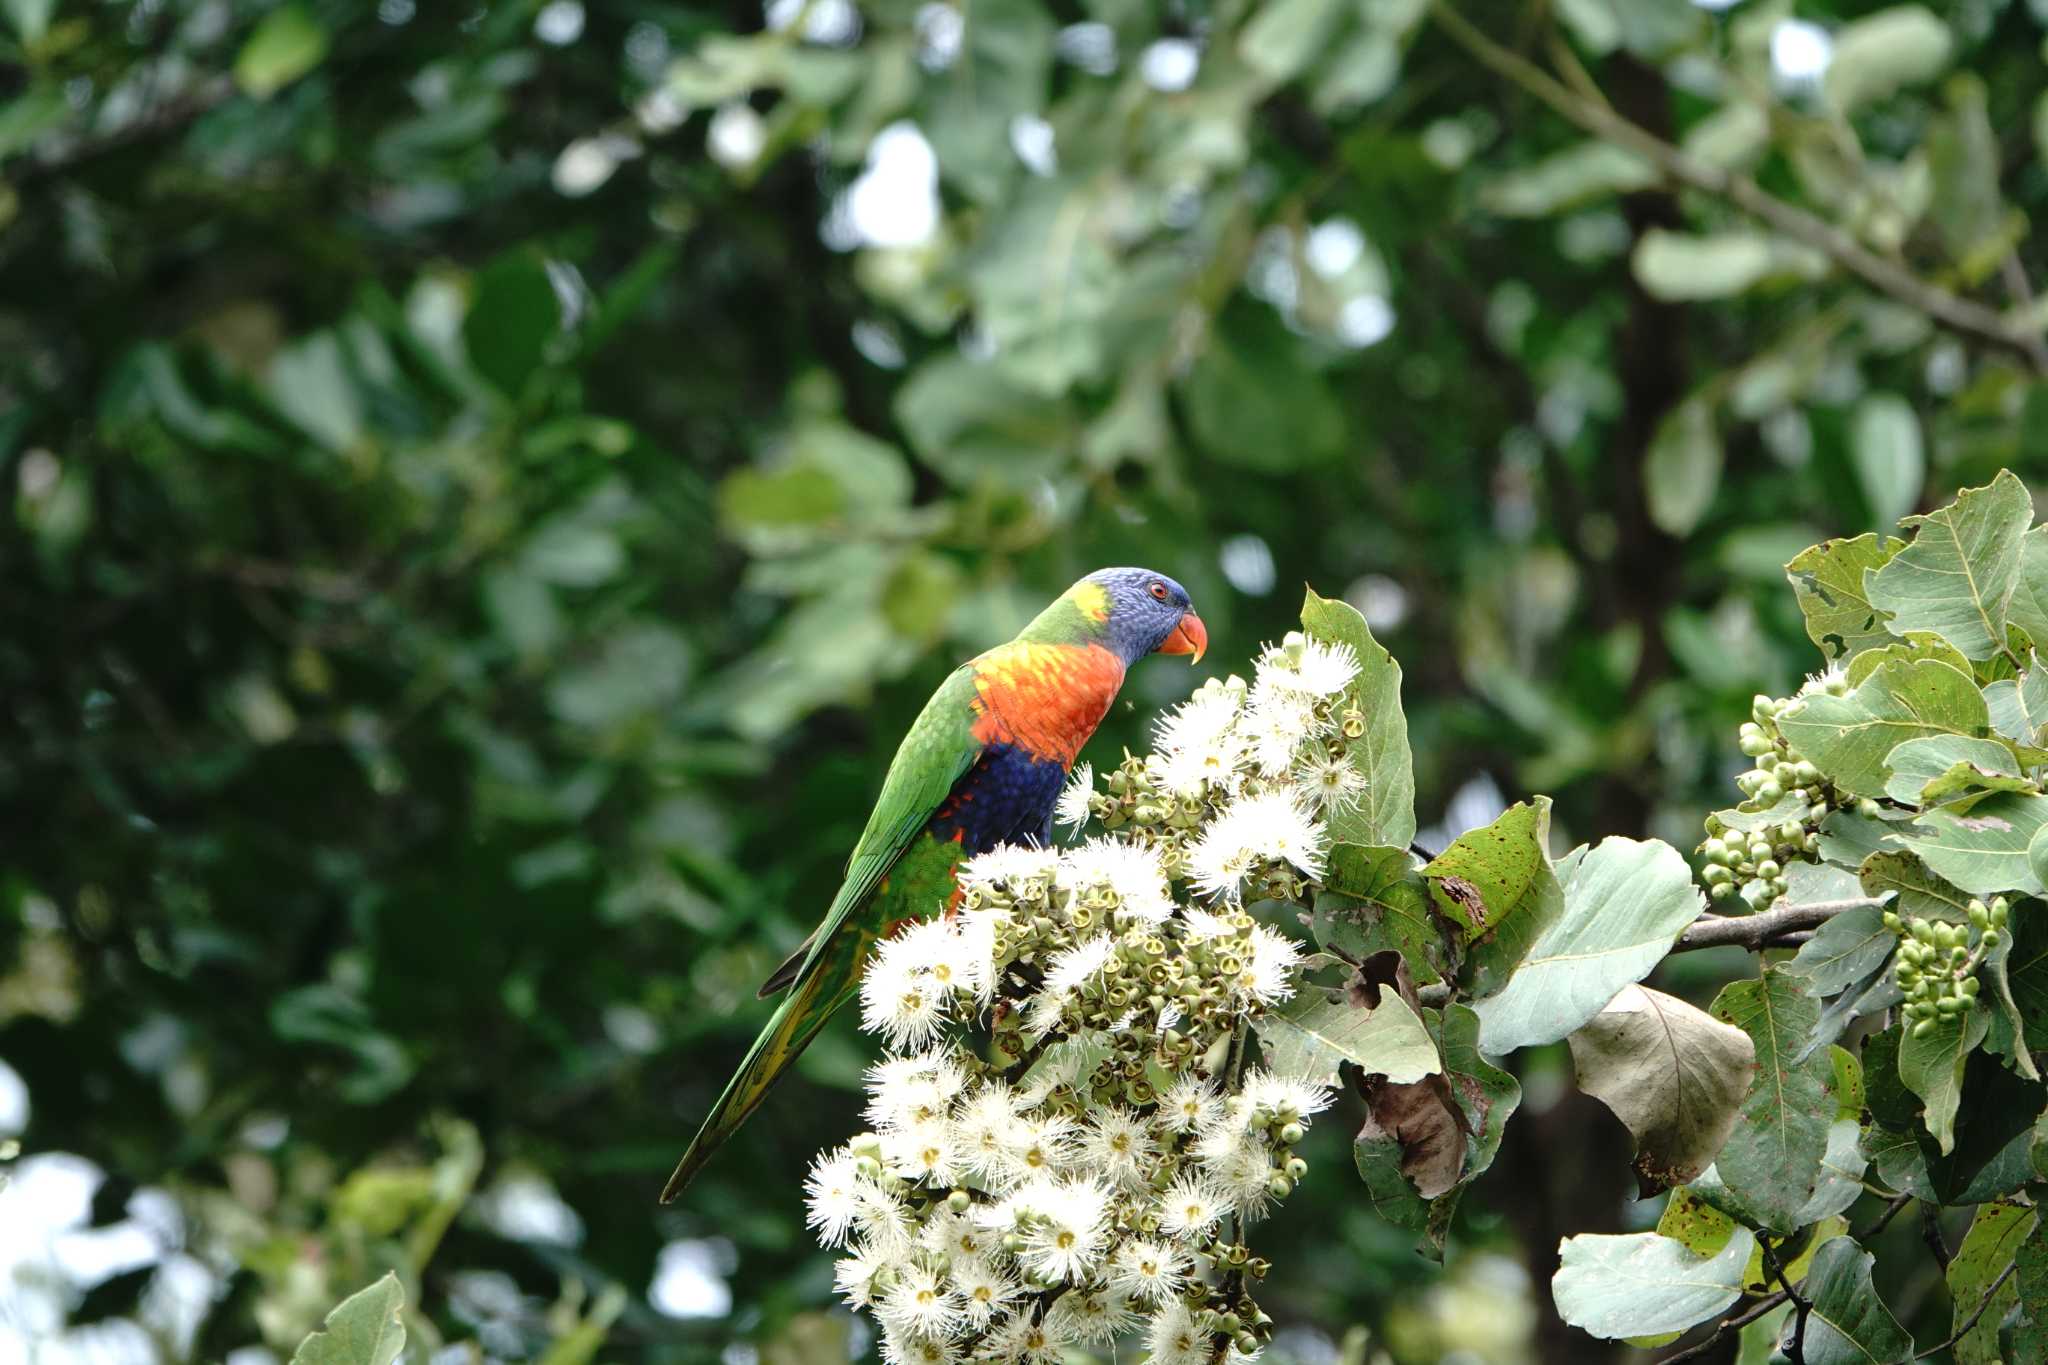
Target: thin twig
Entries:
(1726, 1325)
(1958, 314)
(1930, 1232)
(1984, 1304)
(1890, 1211)
(1795, 1348)
(1766, 928)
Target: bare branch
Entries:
(1959, 315)
(1982, 1305)
(1766, 928)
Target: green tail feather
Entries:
(832, 982)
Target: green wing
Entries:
(826, 973)
(937, 751)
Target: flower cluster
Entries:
(1785, 799)
(1936, 966)
(1068, 1138)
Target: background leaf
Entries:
(363, 1329)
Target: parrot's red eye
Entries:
(1159, 591)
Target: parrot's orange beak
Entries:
(1189, 637)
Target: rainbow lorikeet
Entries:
(983, 765)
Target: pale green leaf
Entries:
(1311, 1035)
(1923, 771)
(1843, 950)
(2029, 607)
(1916, 644)
(1625, 903)
(1286, 35)
(1958, 576)
(1674, 1075)
(1643, 1283)
(1683, 467)
(31, 18)
(1566, 179)
(2019, 706)
(363, 1329)
(1676, 266)
(1882, 53)
(1850, 737)
(1891, 463)
(1985, 850)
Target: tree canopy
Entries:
(492, 484)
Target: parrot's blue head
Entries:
(1139, 612)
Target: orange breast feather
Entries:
(1045, 699)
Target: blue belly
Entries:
(1006, 797)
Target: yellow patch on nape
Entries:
(1091, 598)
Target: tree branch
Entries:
(1957, 314)
(1982, 1305)
(1726, 1325)
(1766, 928)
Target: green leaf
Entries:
(1312, 1033)
(1373, 898)
(1842, 951)
(1585, 171)
(31, 18)
(363, 1329)
(1676, 266)
(1255, 403)
(1286, 35)
(1488, 1095)
(1771, 1161)
(1842, 1168)
(1044, 279)
(310, 383)
(1920, 894)
(2029, 607)
(1878, 55)
(1625, 903)
(287, 44)
(1496, 882)
(971, 424)
(1916, 644)
(1683, 467)
(1828, 582)
(1850, 737)
(1958, 576)
(1931, 1066)
(1926, 770)
(513, 315)
(1996, 1234)
(1642, 1284)
(1984, 851)
(1849, 1324)
(2018, 968)
(1891, 463)
(1384, 813)
(1734, 137)
(2019, 706)
(1673, 1074)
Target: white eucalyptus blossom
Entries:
(1069, 1139)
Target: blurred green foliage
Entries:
(491, 484)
